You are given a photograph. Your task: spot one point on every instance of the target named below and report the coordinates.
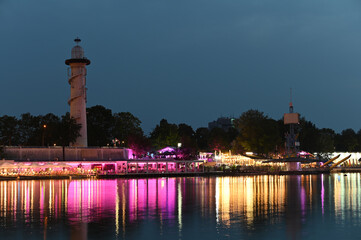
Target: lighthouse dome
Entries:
(77, 52)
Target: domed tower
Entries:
(77, 100)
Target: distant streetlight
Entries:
(179, 145)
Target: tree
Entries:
(308, 136)
(29, 130)
(9, 134)
(202, 138)
(125, 126)
(128, 130)
(100, 123)
(164, 135)
(237, 146)
(48, 129)
(68, 131)
(139, 144)
(187, 136)
(326, 140)
(358, 136)
(347, 141)
(2, 154)
(218, 140)
(258, 133)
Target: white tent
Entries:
(7, 165)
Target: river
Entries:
(247, 207)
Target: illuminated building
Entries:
(223, 123)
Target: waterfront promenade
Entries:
(10, 169)
(81, 173)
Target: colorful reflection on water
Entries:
(253, 207)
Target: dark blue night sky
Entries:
(188, 61)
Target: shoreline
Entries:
(167, 175)
(55, 177)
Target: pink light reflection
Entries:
(142, 196)
(88, 199)
(152, 196)
(158, 196)
(133, 200)
(303, 200)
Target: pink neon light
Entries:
(166, 149)
(130, 154)
(303, 153)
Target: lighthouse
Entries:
(77, 80)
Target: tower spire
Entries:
(291, 105)
(77, 40)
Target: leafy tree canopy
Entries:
(258, 133)
(100, 123)
(126, 125)
(164, 134)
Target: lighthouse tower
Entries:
(77, 100)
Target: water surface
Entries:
(252, 207)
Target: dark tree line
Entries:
(261, 134)
(252, 131)
(119, 129)
(255, 132)
(104, 127)
(42, 130)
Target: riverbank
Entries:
(46, 177)
(346, 170)
(165, 175)
(214, 173)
